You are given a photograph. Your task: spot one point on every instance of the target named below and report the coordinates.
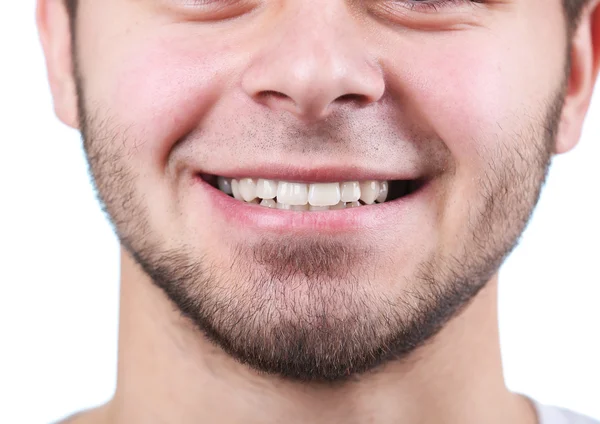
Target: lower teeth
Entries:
(274, 204)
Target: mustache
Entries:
(381, 136)
(389, 154)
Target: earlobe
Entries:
(585, 63)
(54, 32)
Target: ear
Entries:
(585, 59)
(54, 31)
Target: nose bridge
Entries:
(314, 57)
(313, 41)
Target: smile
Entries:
(316, 196)
(309, 202)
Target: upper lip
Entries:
(334, 173)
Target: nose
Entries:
(313, 63)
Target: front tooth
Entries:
(350, 191)
(224, 185)
(283, 206)
(269, 203)
(324, 194)
(266, 189)
(369, 190)
(383, 192)
(292, 193)
(300, 207)
(318, 208)
(235, 189)
(352, 204)
(340, 205)
(247, 187)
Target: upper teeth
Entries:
(300, 196)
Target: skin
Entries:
(469, 96)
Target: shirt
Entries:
(555, 415)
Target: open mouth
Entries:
(321, 196)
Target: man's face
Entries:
(461, 99)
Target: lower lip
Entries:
(368, 217)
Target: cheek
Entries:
(477, 98)
(482, 96)
(165, 92)
(159, 91)
(152, 94)
(476, 94)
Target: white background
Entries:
(59, 262)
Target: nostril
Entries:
(310, 107)
(276, 100)
(352, 98)
(273, 94)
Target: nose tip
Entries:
(313, 80)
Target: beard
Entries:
(313, 308)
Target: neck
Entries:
(168, 372)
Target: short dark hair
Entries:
(71, 6)
(573, 9)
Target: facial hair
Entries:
(301, 308)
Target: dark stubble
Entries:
(301, 309)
